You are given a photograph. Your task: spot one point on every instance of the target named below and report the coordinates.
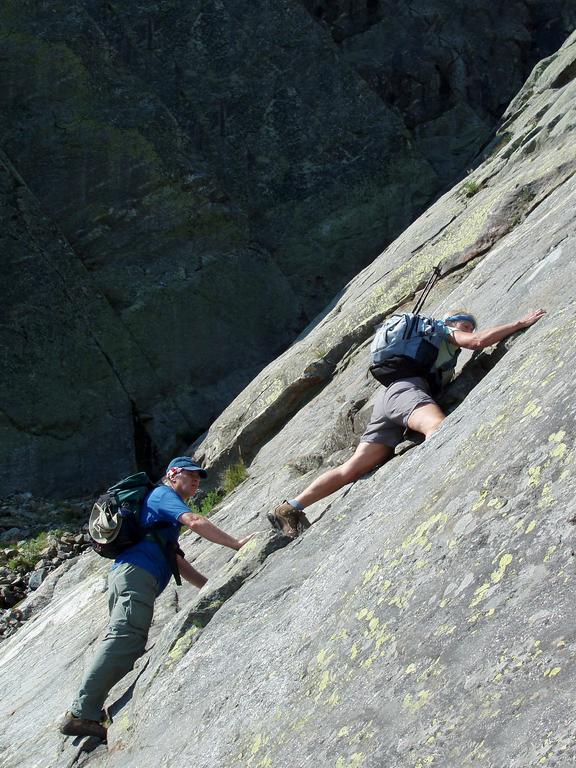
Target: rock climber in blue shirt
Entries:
(136, 579)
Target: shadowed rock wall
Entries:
(426, 617)
(218, 171)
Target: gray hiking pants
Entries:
(131, 595)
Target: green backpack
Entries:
(114, 525)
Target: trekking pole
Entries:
(427, 288)
(421, 300)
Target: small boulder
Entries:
(37, 577)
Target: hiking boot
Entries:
(292, 522)
(77, 726)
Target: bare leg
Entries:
(366, 457)
(426, 419)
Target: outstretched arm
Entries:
(495, 334)
(203, 527)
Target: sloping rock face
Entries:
(426, 618)
(218, 171)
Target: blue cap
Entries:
(462, 316)
(185, 462)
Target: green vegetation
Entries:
(29, 552)
(206, 504)
(470, 188)
(234, 475)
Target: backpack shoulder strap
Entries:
(170, 550)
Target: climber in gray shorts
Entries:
(407, 403)
(393, 408)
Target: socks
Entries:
(296, 505)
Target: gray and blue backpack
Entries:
(406, 345)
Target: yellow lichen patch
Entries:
(533, 409)
(445, 629)
(419, 536)
(123, 724)
(373, 624)
(530, 527)
(401, 599)
(325, 680)
(552, 672)
(410, 669)
(370, 573)
(385, 586)
(479, 594)
(354, 652)
(534, 475)
(181, 646)
(259, 742)
(503, 563)
(382, 636)
(559, 451)
(414, 703)
(497, 503)
(549, 552)
(271, 393)
(557, 437)
(355, 761)
(324, 658)
(547, 499)
(424, 761)
(480, 501)
(343, 732)
(333, 700)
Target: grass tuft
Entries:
(470, 188)
(234, 475)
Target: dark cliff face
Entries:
(211, 173)
(448, 67)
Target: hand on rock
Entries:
(532, 317)
(245, 540)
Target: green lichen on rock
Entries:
(183, 644)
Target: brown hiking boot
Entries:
(77, 726)
(292, 522)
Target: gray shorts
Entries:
(392, 409)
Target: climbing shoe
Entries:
(292, 522)
(77, 726)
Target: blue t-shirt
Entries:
(162, 505)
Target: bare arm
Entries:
(203, 527)
(495, 334)
(189, 573)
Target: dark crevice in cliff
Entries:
(146, 452)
